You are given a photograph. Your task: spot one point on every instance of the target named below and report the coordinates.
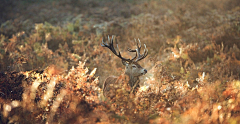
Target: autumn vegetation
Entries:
(52, 65)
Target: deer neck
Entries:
(132, 80)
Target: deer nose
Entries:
(145, 70)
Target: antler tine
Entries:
(138, 47)
(111, 40)
(111, 47)
(130, 50)
(138, 55)
(145, 53)
(139, 43)
(134, 50)
(103, 44)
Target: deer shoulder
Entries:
(108, 83)
(132, 69)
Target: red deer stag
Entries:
(132, 68)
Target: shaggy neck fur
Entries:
(133, 80)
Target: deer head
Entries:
(132, 68)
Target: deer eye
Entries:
(134, 66)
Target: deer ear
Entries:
(124, 62)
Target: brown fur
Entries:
(108, 83)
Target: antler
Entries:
(138, 55)
(111, 47)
